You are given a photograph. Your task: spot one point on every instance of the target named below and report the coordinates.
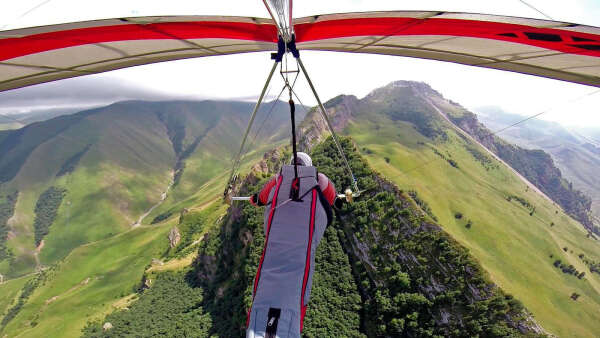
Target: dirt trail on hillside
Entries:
(163, 197)
(526, 181)
(36, 253)
(75, 287)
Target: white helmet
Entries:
(303, 159)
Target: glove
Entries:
(338, 203)
(254, 200)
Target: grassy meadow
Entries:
(10, 290)
(88, 282)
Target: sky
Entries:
(242, 76)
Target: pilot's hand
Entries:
(338, 203)
(254, 200)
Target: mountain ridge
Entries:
(446, 179)
(458, 177)
(536, 165)
(120, 159)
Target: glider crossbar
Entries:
(240, 198)
(329, 125)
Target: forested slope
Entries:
(384, 268)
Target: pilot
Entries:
(298, 204)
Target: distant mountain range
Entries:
(576, 151)
(16, 121)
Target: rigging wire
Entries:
(266, 96)
(547, 110)
(252, 117)
(340, 151)
(330, 126)
(280, 28)
(267, 117)
(272, 107)
(26, 13)
(285, 19)
(535, 9)
(276, 101)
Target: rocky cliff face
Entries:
(340, 111)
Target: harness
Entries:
(293, 229)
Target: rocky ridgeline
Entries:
(408, 101)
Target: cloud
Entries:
(78, 92)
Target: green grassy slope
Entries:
(573, 152)
(97, 278)
(120, 175)
(513, 246)
(130, 151)
(126, 156)
(207, 167)
(9, 291)
(399, 297)
(89, 281)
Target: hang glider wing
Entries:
(42, 54)
(556, 50)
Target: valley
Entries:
(134, 171)
(576, 154)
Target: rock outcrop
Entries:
(174, 237)
(314, 128)
(107, 326)
(182, 214)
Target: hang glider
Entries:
(551, 49)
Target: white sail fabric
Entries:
(556, 50)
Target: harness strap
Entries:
(295, 190)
